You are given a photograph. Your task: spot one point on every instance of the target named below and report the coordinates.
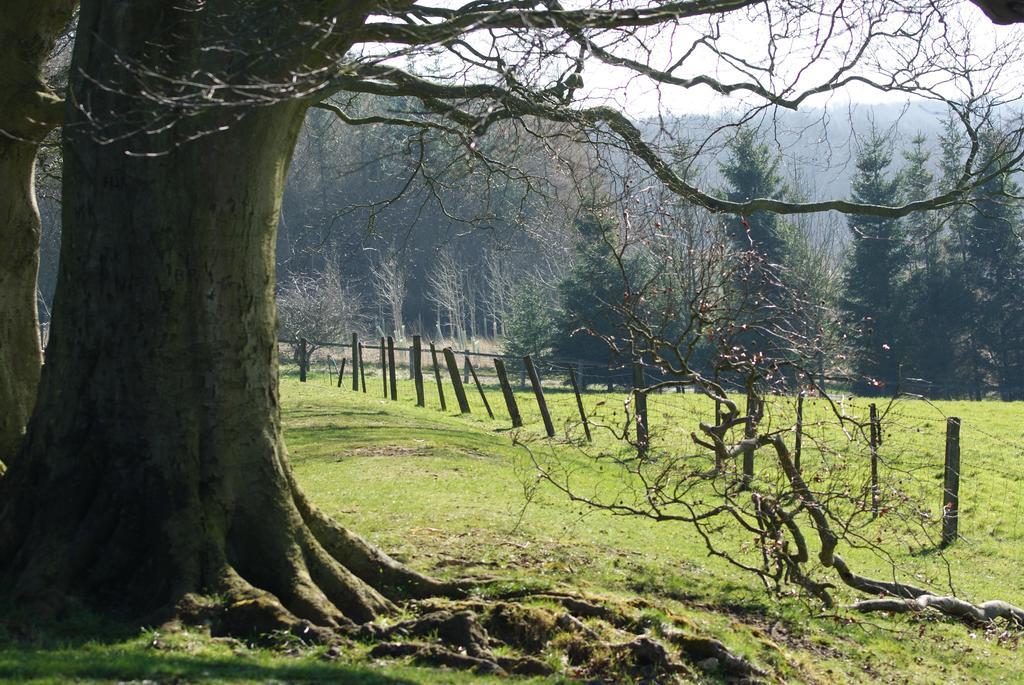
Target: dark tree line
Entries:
(933, 300)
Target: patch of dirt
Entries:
(383, 451)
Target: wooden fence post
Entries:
(506, 391)
(465, 367)
(362, 368)
(384, 367)
(579, 403)
(341, 371)
(437, 377)
(640, 410)
(718, 405)
(538, 392)
(357, 362)
(480, 388)
(951, 484)
(391, 368)
(749, 432)
(453, 371)
(303, 359)
(798, 441)
(876, 440)
(417, 369)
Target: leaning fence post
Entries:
(798, 441)
(579, 403)
(341, 371)
(356, 362)
(640, 409)
(480, 388)
(362, 368)
(951, 483)
(506, 391)
(876, 440)
(437, 377)
(453, 371)
(417, 369)
(391, 368)
(538, 392)
(303, 358)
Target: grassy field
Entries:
(446, 494)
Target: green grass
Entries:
(445, 493)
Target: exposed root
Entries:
(434, 655)
(598, 641)
(711, 656)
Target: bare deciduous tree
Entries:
(447, 291)
(391, 281)
(319, 308)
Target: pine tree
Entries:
(994, 273)
(872, 276)
(931, 303)
(969, 364)
(751, 172)
(590, 295)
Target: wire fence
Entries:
(897, 452)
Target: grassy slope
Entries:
(445, 493)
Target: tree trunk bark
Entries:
(20, 354)
(28, 111)
(153, 466)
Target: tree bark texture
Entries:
(153, 466)
(28, 111)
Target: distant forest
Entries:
(392, 232)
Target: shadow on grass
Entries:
(86, 646)
(119, 664)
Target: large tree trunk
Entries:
(28, 110)
(153, 466)
(20, 355)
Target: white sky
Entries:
(747, 37)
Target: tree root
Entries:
(271, 566)
(599, 641)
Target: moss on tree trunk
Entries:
(153, 466)
(28, 110)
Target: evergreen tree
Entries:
(931, 303)
(590, 295)
(994, 273)
(751, 172)
(876, 258)
(529, 323)
(969, 363)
